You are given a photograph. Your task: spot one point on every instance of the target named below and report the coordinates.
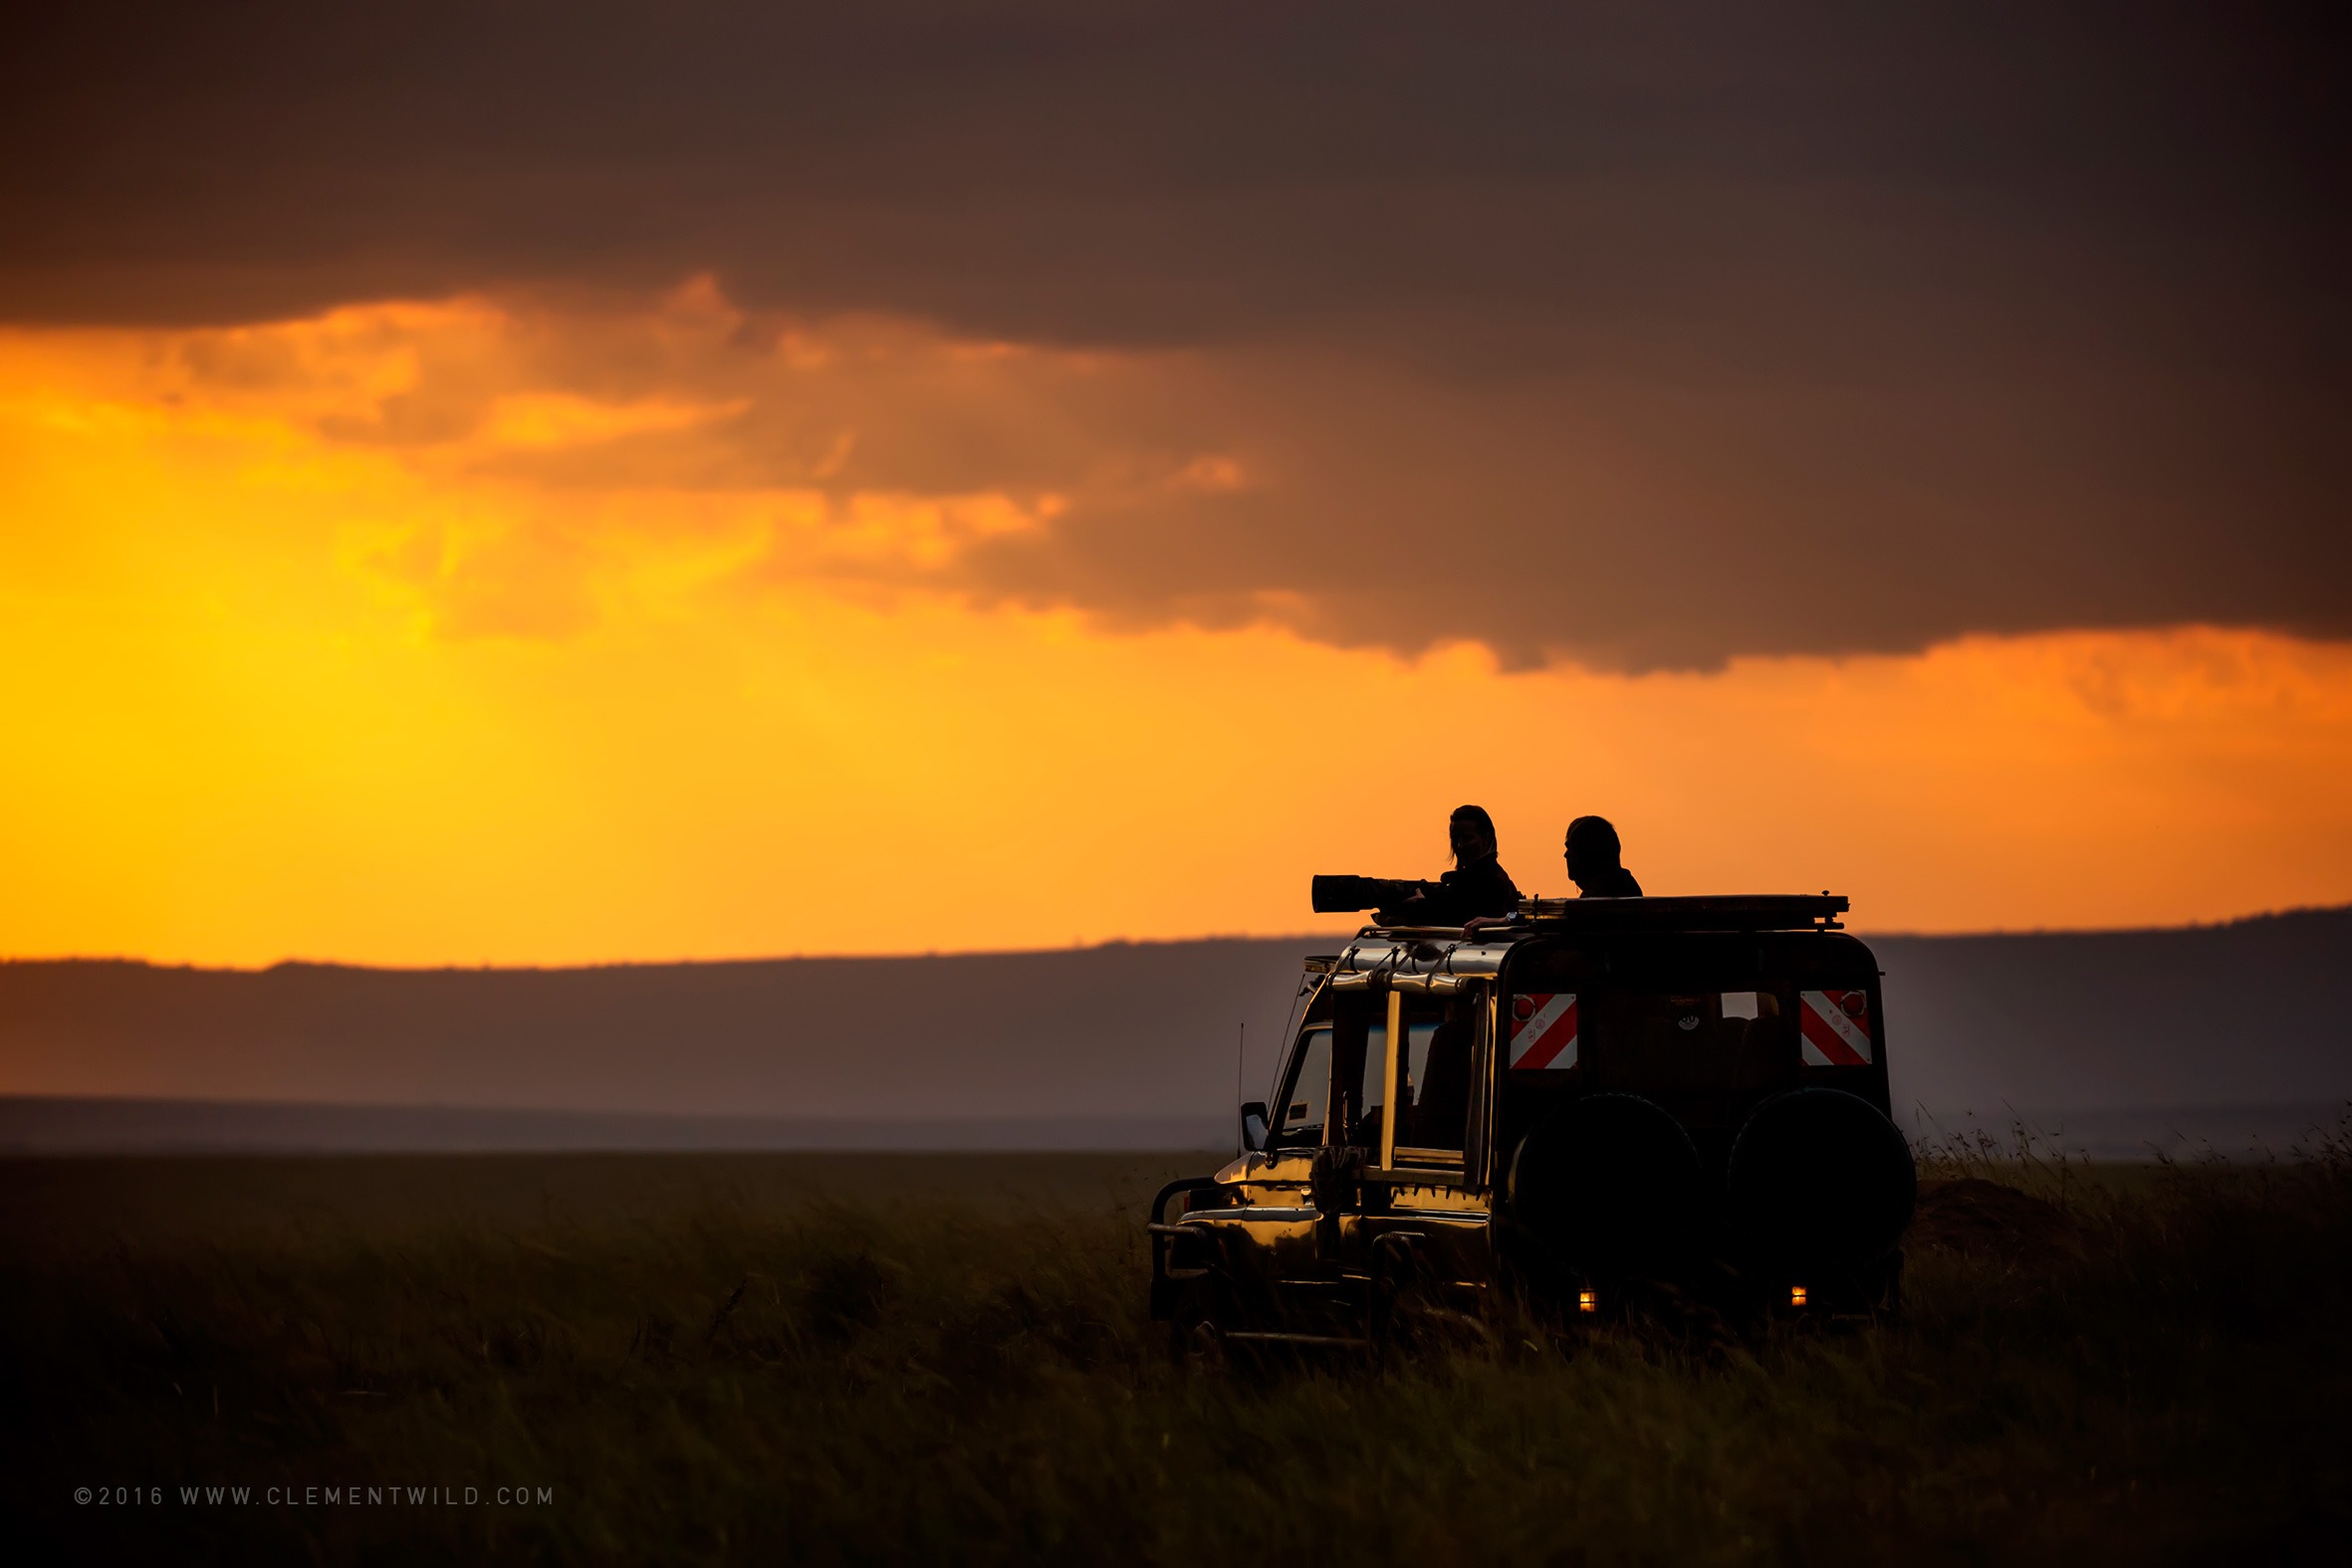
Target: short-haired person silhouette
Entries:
(1478, 884)
(1594, 863)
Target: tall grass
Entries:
(935, 1380)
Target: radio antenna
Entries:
(1241, 1133)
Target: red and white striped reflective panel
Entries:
(1544, 1030)
(1836, 1027)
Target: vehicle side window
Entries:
(1307, 1091)
(1359, 1057)
(1438, 1062)
(1369, 1085)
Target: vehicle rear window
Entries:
(1694, 1036)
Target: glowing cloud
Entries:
(474, 632)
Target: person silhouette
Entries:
(1594, 860)
(1478, 884)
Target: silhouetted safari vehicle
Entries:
(1607, 1099)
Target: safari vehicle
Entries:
(1601, 1101)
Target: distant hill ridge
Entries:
(2252, 1012)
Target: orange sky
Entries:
(417, 634)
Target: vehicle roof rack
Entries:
(1713, 912)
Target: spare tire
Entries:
(1611, 1183)
(1819, 1178)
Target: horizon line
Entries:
(129, 959)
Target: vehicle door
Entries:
(1276, 1193)
(1422, 1212)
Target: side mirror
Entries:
(1254, 1126)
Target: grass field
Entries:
(817, 1359)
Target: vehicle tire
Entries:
(1611, 1184)
(1819, 1178)
(1196, 1329)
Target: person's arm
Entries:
(1496, 899)
(1430, 907)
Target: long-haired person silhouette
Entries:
(1478, 884)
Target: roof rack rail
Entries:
(1713, 912)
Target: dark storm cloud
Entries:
(1641, 334)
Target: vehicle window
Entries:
(1372, 1087)
(1307, 1091)
(1434, 1074)
(1414, 1070)
(1433, 1088)
(1692, 1039)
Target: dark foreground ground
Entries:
(817, 1359)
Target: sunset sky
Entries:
(553, 484)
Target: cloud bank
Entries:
(1604, 333)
